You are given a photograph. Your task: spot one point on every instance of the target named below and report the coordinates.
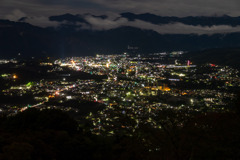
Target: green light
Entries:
(29, 84)
(4, 75)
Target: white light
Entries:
(69, 97)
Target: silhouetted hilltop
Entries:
(221, 56)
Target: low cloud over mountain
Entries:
(87, 34)
(162, 25)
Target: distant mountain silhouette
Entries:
(69, 39)
(220, 56)
(199, 20)
(155, 19)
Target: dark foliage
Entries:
(52, 134)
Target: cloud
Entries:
(37, 12)
(15, 15)
(172, 28)
(180, 28)
(174, 7)
(41, 21)
(115, 21)
(159, 7)
(105, 24)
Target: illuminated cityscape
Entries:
(134, 87)
(120, 95)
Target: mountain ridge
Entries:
(70, 39)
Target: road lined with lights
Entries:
(47, 99)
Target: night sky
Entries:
(38, 12)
